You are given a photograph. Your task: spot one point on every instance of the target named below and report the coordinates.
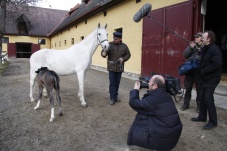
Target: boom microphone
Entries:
(142, 12)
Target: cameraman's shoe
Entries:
(112, 102)
(184, 107)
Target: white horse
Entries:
(76, 59)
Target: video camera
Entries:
(172, 84)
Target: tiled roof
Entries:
(83, 11)
(42, 20)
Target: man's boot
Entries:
(185, 105)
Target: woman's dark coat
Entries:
(157, 124)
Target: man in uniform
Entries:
(117, 54)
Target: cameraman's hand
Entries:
(137, 85)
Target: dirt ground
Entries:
(99, 127)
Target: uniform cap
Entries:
(199, 34)
(117, 34)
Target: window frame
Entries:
(42, 41)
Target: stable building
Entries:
(27, 28)
(156, 42)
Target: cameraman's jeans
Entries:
(190, 79)
(114, 79)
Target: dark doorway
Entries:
(215, 20)
(23, 50)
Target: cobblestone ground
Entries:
(99, 127)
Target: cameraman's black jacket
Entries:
(157, 124)
(115, 52)
(211, 65)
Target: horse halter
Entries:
(100, 42)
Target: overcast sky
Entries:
(58, 4)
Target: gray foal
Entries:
(49, 80)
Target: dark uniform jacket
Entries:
(115, 52)
(211, 65)
(157, 124)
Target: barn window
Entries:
(55, 44)
(86, 1)
(23, 25)
(137, 1)
(41, 41)
(104, 13)
(65, 42)
(59, 43)
(85, 22)
(72, 41)
(119, 30)
(5, 39)
(82, 38)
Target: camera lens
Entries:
(143, 85)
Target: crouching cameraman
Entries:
(157, 125)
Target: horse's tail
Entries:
(56, 80)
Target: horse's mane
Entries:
(82, 41)
(87, 37)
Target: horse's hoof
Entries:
(51, 120)
(60, 114)
(84, 105)
(35, 108)
(32, 100)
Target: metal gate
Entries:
(162, 50)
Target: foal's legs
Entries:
(80, 76)
(51, 100)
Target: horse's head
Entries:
(102, 37)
